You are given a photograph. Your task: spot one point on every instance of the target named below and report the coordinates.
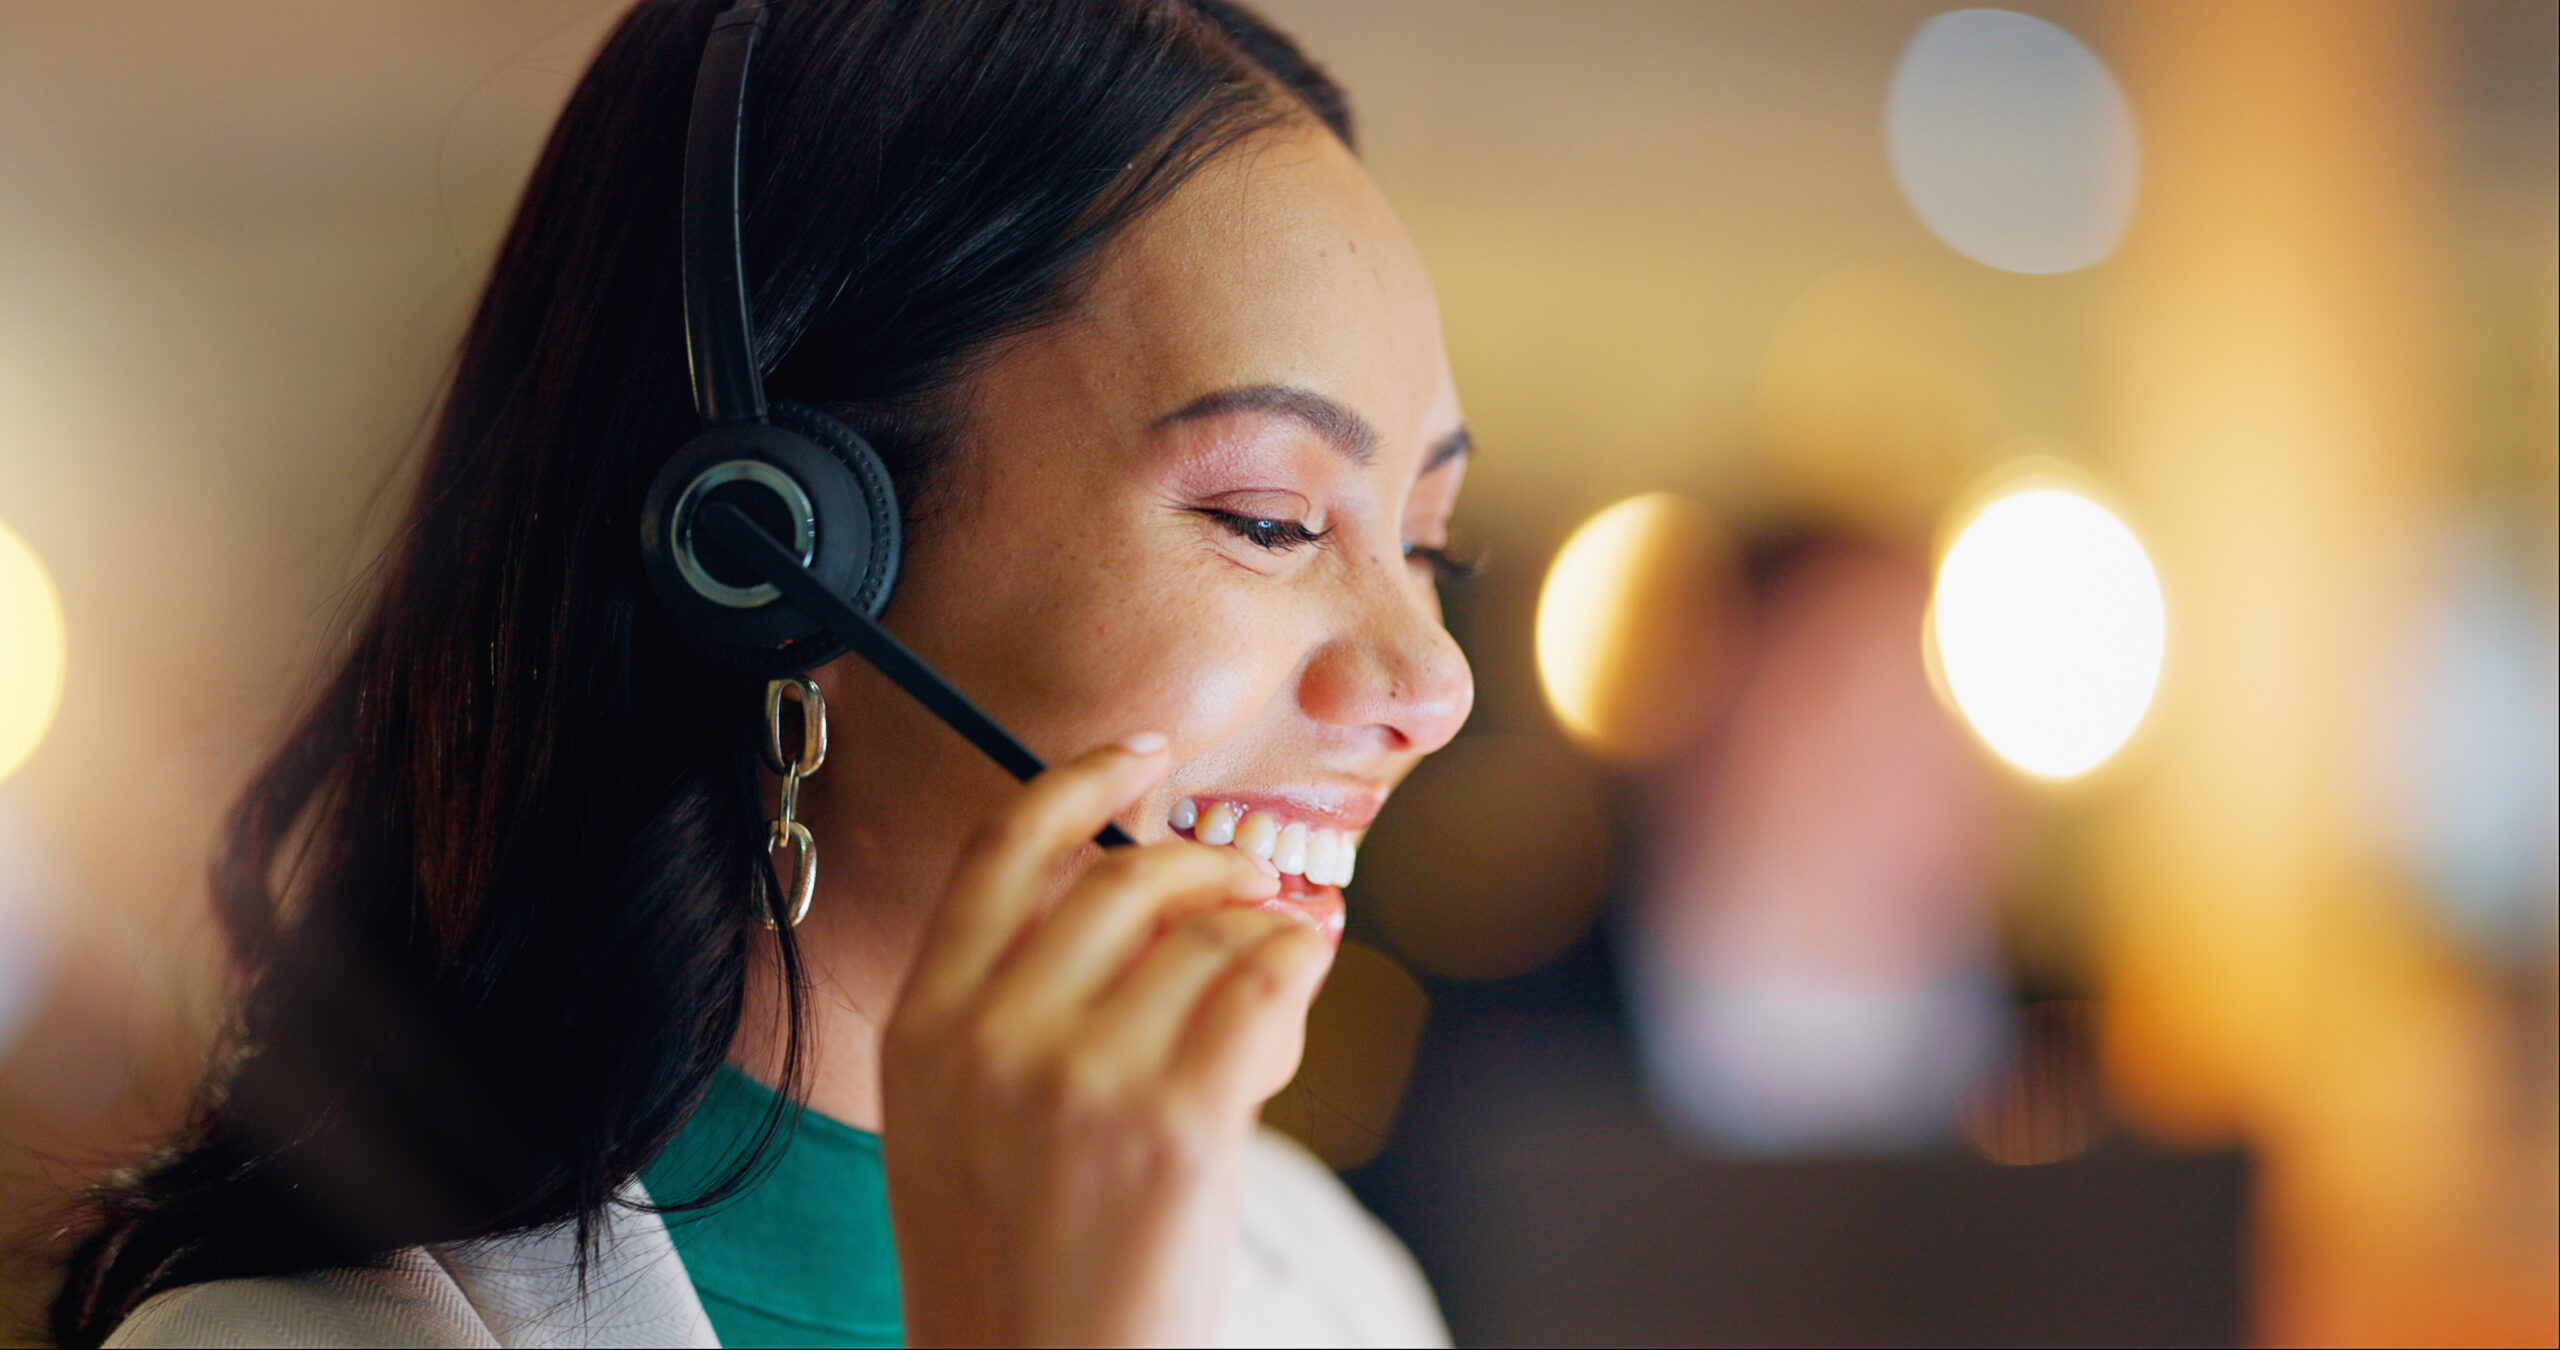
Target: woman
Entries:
(1158, 378)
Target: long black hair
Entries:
(492, 905)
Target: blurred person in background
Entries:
(1817, 966)
(1158, 378)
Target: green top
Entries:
(803, 1258)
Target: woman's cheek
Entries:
(1199, 653)
(1210, 690)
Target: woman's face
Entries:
(1205, 505)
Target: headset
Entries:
(772, 537)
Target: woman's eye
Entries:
(1444, 565)
(1264, 532)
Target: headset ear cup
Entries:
(883, 529)
(826, 477)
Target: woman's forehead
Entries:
(1278, 265)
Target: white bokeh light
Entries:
(31, 651)
(2012, 141)
(2049, 630)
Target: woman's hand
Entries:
(1068, 1094)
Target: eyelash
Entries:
(1286, 536)
(1277, 536)
(1444, 565)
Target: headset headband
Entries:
(718, 344)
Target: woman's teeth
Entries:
(1323, 856)
(1256, 833)
(1289, 852)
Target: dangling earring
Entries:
(793, 767)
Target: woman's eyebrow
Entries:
(1449, 447)
(1346, 430)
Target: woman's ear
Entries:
(842, 691)
(830, 680)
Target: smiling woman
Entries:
(1158, 376)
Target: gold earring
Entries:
(811, 752)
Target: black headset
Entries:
(772, 537)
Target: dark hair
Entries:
(492, 904)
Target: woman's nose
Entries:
(1398, 671)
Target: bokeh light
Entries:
(2048, 629)
(1629, 627)
(1494, 860)
(2012, 141)
(1361, 1036)
(2471, 780)
(31, 651)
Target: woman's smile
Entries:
(1310, 834)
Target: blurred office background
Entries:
(2013, 790)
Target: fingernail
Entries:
(1144, 743)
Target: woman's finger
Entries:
(1242, 1041)
(1090, 936)
(1144, 1016)
(1008, 867)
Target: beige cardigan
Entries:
(1312, 1268)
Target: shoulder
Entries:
(529, 1291)
(1313, 1267)
(523, 1290)
(408, 1299)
